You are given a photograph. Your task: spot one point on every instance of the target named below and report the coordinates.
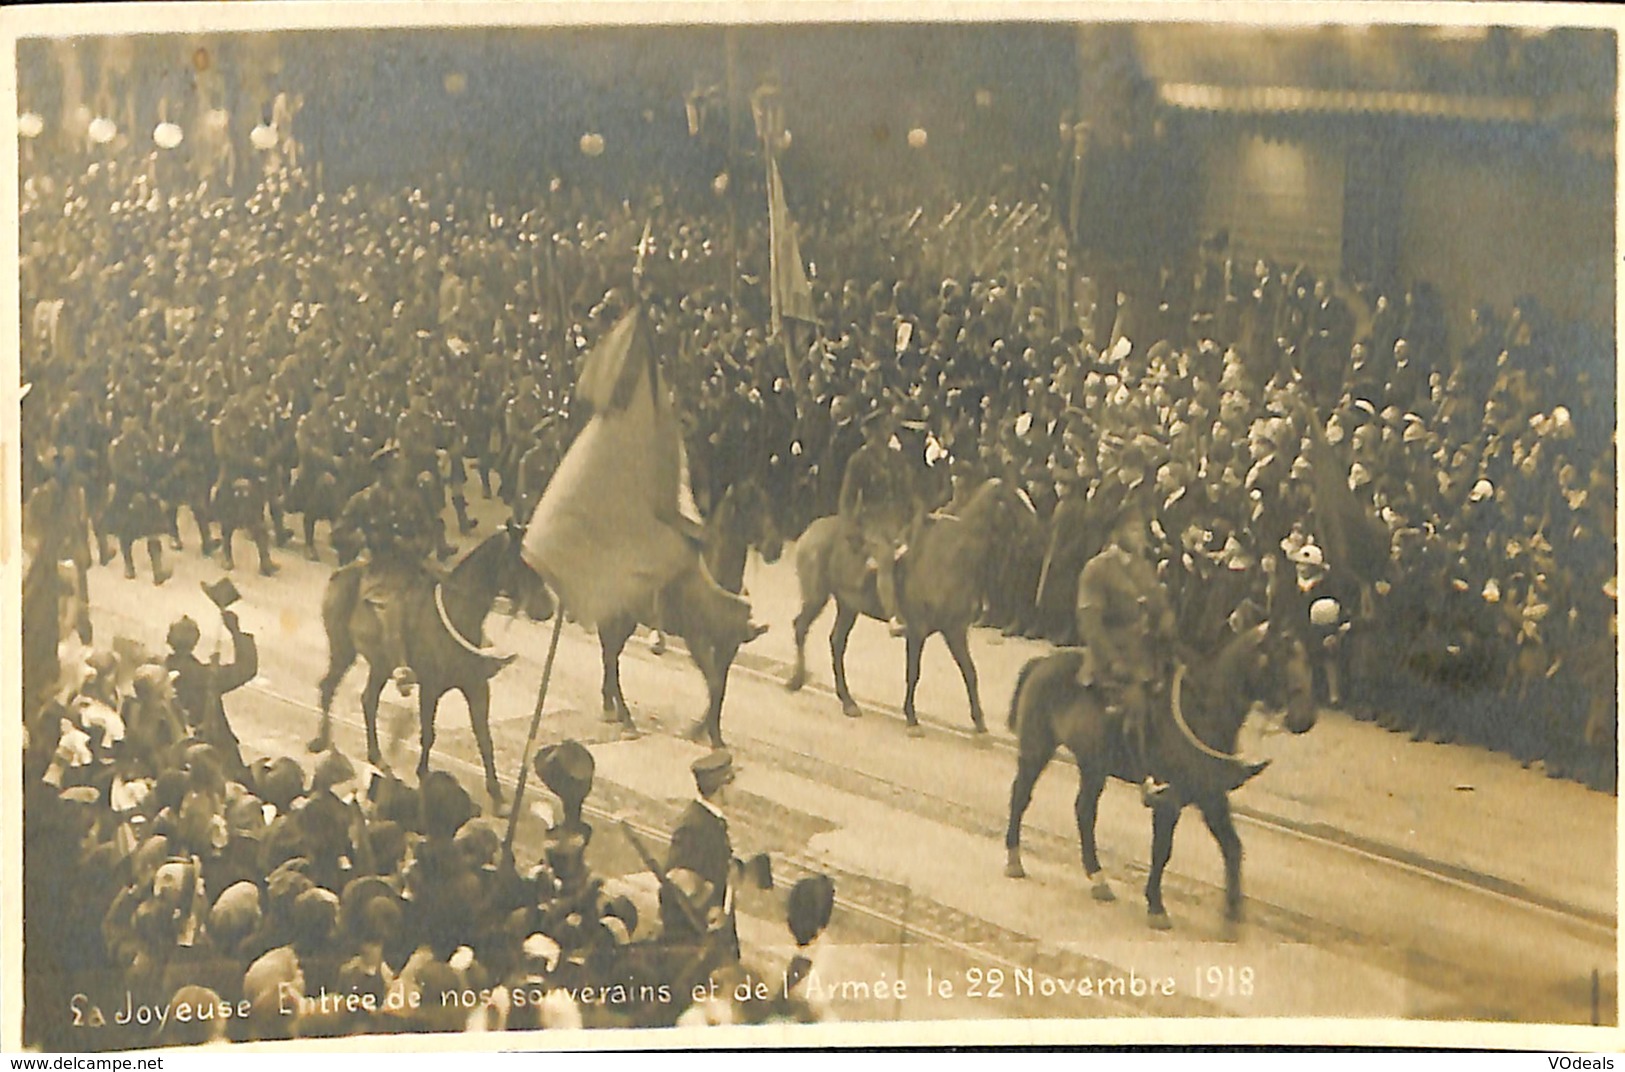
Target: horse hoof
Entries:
(916, 730)
(630, 732)
(1159, 921)
(796, 681)
(697, 732)
(1103, 893)
(319, 744)
(1014, 870)
(851, 710)
(499, 808)
(980, 728)
(610, 714)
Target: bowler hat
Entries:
(222, 593)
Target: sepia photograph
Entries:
(703, 527)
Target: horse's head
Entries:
(1281, 676)
(754, 511)
(522, 585)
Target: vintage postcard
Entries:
(820, 524)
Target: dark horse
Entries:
(1193, 735)
(938, 588)
(742, 519)
(443, 626)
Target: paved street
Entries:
(1384, 878)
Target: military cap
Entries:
(713, 770)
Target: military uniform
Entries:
(877, 507)
(240, 492)
(1126, 623)
(397, 530)
(136, 512)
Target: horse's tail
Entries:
(1014, 719)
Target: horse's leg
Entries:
(1085, 806)
(479, 716)
(127, 552)
(959, 646)
(915, 644)
(714, 668)
(1163, 820)
(310, 535)
(1216, 813)
(227, 531)
(376, 678)
(845, 619)
(612, 638)
(339, 660)
(428, 700)
(1037, 748)
(810, 610)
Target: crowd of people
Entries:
(1435, 518)
(178, 895)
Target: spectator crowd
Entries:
(1435, 514)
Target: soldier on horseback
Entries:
(417, 434)
(398, 530)
(877, 508)
(1126, 621)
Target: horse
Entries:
(443, 624)
(742, 519)
(939, 589)
(1193, 733)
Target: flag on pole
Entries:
(608, 532)
(791, 292)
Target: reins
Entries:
(1179, 717)
(462, 641)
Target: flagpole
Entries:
(530, 739)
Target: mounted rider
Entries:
(877, 507)
(399, 534)
(1126, 622)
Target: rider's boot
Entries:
(402, 675)
(1151, 789)
(886, 589)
